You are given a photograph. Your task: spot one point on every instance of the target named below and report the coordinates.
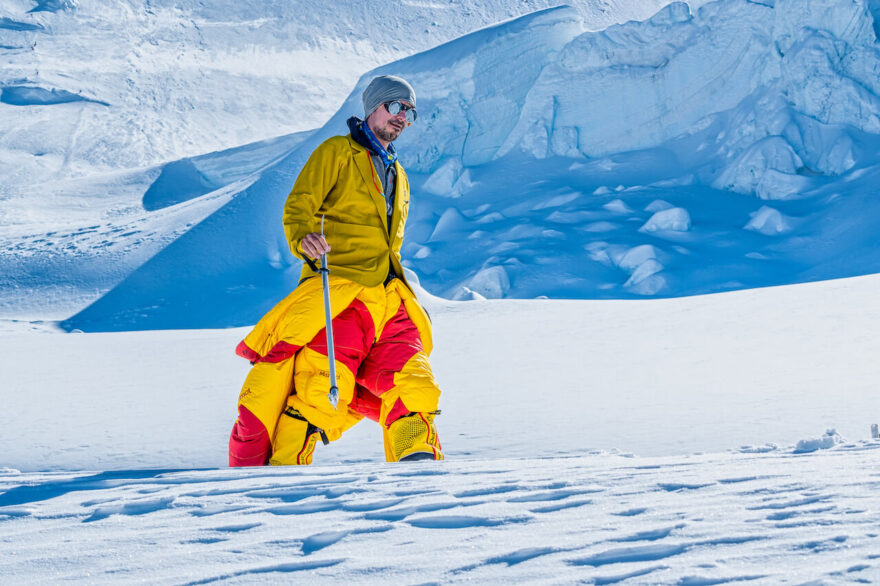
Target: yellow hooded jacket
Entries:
(340, 183)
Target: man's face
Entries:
(385, 126)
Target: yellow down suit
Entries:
(382, 335)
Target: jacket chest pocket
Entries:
(404, 212)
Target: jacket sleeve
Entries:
(311, 188)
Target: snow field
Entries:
(595, 519)
(749, 370)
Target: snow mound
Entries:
(179, 181)
(791, 69)
(450, 222)
(471, 92)
(671, 220)
(634, 257)
(618, 206)
(658, 205)
(645, 279)
(768, 168)
(764, 449)
(830, 439)
(488, 283)
(443, 181)
(769, 221)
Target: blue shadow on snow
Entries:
(22, 95)
(21, 495)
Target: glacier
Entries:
(542, 149)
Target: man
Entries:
(350, 201)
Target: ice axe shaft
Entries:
(333, 395)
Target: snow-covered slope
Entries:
(640, 156)
(94, 96)
(721, 146)
(72, 243)
(88, 86)
(235, 263)
(673, 441)
(751, 370)
(730, 147)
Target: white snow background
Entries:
(581, 181)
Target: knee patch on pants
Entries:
(312, 385)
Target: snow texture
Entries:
(684, 452)
(760, 518)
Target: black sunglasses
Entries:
(396, 107)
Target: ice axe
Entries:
(333, 395)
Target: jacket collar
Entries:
(368, 173)
(362, 134)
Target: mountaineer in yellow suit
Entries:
(382, 336)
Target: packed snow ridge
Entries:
(714, 147)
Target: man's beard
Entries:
(388, 133)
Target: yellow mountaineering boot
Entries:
(412, 437)
(295, 440)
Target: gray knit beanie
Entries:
(387, 88)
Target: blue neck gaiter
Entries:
(389, 155)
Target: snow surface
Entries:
(534, 378)
(658, 441)
(753, 518)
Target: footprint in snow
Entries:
(645, 553)
(371, 506)
(304, 508)
(319, 541)
(638, 573)
(679, 486)
(205, 540)
(561, 506)
(130, 508)
(651, 535)
(788, 514)
(490, 490)
(237, 528)
(791, 503)
(401, 513)
(290, 567)
(523, 555)
(462, 522)
(553, 495)
(211, 510)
